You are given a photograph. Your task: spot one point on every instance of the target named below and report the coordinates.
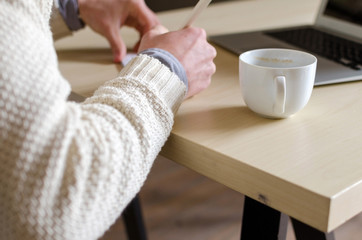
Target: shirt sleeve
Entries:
(57, 23)
(70, 13)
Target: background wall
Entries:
(162, 5)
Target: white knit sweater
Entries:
(68, 170)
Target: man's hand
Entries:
(191, 48)
(107, 16)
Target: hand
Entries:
(107, 16)
(191, 48)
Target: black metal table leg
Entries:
(303, 231)
(133, 220)
(262, 222)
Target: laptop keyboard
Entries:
(340, 50)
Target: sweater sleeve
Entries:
(67, 170)
(170, 61)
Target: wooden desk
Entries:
(308, 166)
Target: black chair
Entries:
(133, 220)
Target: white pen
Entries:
(200, 6)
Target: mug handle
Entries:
(280, 96)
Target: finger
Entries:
(158, 30)
(118, 47)
(145, 18)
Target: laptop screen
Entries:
(347, 10)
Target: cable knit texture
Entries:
(67, 170)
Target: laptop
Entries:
(335, 39)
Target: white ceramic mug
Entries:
(276, 83)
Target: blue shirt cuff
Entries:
(70, 13)
(168, 60)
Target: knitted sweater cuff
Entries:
(151, 72)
